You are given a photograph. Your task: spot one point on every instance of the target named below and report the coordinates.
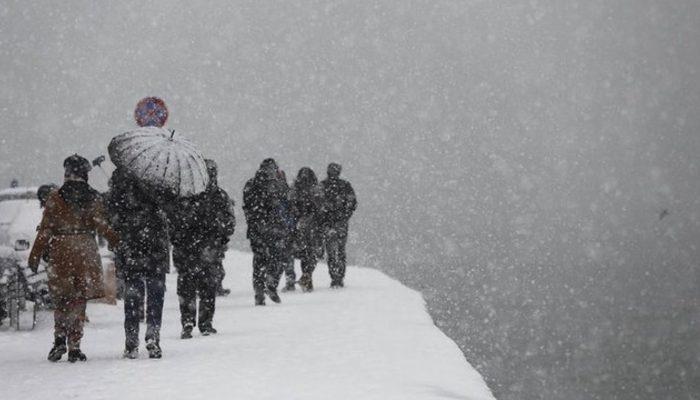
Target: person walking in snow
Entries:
(72, 216)
(201, 232)
(263, 198)
(305, 200)
(142, 259)
(339, 203)
(290, 223)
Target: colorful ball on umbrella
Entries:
(151, 111)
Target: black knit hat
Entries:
(268, 163)
(77, 166)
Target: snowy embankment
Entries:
(371, 340)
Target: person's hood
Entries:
(77, 194)
(262, 175)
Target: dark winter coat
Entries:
(72, 216)
(141, 224)
(306, 202)
(339, 201)
(266, 208)
(204, 222)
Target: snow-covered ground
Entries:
(371, 340)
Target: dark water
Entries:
(565, 342)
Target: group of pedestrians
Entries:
(286, 222)
(302, 221)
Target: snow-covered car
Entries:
(20, 215)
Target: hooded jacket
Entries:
(265, 208)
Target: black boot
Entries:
(306, 283)
(259, 299)
(337, 284)
(154, 350)
(289, 287)
(76, 355)
(186, 332)
(131, 353)
(272, 294)
(207, 330)
(58, 350)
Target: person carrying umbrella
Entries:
(155, 170)
(142, 259)
(72, 216)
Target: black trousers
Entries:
(219, 273)
(136, 287)
(269, 261)
(196, 278)
(335, 237)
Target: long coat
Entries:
(306, 207)
(68, 232)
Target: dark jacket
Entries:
(339, 201)
(141, 224)
(306, 202)
(205, 221)
(265, 204)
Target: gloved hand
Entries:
(34, 267)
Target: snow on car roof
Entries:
(18, 193)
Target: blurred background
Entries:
(530, 166)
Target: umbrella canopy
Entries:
(160, 160)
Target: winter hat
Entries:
(77, 166)
(334, 170)
(269, 163)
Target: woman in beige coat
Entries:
(73, 215)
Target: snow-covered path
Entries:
(371, 340)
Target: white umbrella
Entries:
(159, 159)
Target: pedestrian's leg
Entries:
(207, 284)
(308, 261)
(60, 330)
(187, 294)
(275, 265)
(342, 240)
(133, 285)
(220, 274)
(259, 269)
(75, 318)
(155, 286)
(308, 264)
(332, 253)
(288, 263)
